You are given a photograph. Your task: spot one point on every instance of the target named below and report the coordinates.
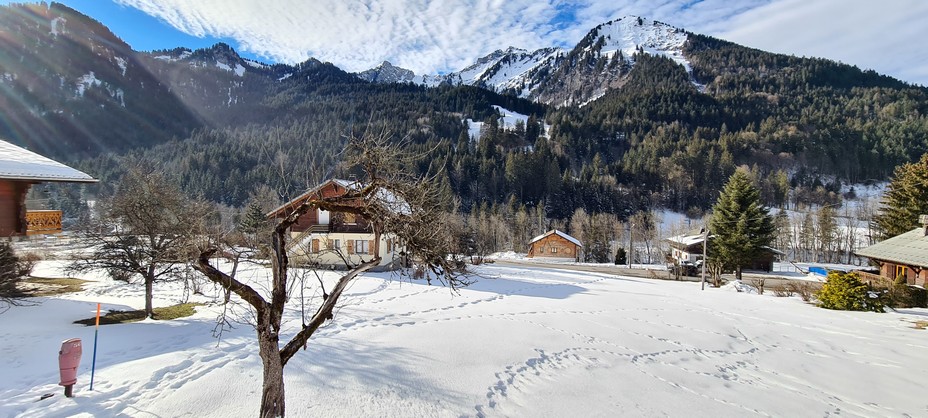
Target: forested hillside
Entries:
(661, 137)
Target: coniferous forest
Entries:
(664, 138)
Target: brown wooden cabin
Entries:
(20, 169)
(902, 256)
(555, 244)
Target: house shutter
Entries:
(370, 247)
(328, 245)
(351, 246)
(315, 246)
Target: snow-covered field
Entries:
(525, 341)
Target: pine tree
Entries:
(741, 225)
(906, 198)
(253, 220)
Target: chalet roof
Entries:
(686, 239)
(386, 197)
(559, 233)
(18, 163)
(910, 248)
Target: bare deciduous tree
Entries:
(393, 203)
(145, 229)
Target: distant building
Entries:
(20, 169)
(904, 255)
(687, 248)
(555, 244)
(334, 239)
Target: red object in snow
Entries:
(68, 359)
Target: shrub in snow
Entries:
(901, 295)
(620, 257)
(845, 291)
(12, 269)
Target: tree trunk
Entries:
(738, 273)
(272, 390)
(149, 311)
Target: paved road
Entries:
(769, 280)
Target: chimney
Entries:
(923, 219)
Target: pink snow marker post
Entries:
(68, 359)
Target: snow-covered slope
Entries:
(600, 61)
(631, 34)
(524, 341)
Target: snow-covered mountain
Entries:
(388, 73)
(600, 61)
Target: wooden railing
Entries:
(874, 278)
(43, 222)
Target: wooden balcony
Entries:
(43, 222)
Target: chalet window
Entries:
(350, 218)
(362, 246)
(337, 245)
(900, 271)
(554, 250)
(541, 250)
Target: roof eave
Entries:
(50, 179)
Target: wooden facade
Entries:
(555, 244)
(20, 169)
(903, 256)
(13, 207)
(324, 238)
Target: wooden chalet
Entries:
(20, 169)
(328, 239)
(902, 256)
(687, 249)
(555, 244)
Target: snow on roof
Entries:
(686, 240)
(390, 200)
(559, 233)
(21, 164)
(909, 248)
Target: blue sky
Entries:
(430, 36)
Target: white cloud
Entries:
(886, 36)
(428, 36)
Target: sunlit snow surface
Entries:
(528, 341)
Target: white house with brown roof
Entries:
(20, 169)
(337, 240)
(555, 244)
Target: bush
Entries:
(783, 291)
(901, 295)
(845, 291)
(620, 257)
(804, 289)
(12, 269)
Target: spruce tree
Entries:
(740, 224)
(253, 220)
(905, 199)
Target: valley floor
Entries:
(523, 341)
